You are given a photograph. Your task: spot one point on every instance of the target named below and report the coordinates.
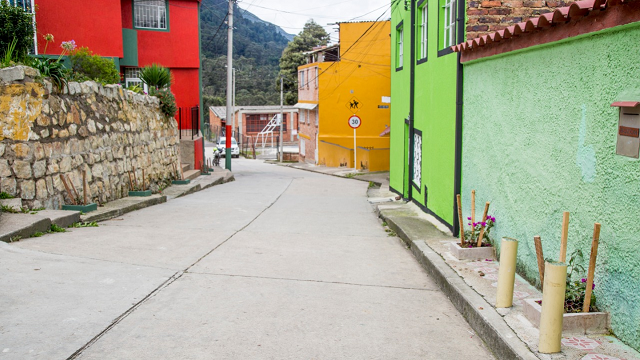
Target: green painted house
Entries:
(425, 112)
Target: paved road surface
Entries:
(280, 264)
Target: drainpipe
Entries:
(412, 90)
(457, 181)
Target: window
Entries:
(417, 158)
(150, 14)
(315, 80)
(422, 29)
(399, 46)
(447, 23)
(302, 117)
(307, 74)
(257, 122)
(28, 6)
(132, 77)
(301, 79)
(302, 146)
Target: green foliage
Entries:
(53, 69)
(136, 88)
(15, 24)
(37, 234)
(471, 236)
(4, 195)
(167, 101)
(8, 56)
(156, 76)
(86, 65)
(56, 228)
(83, 224)
(576, 289)
(311, 36)
(8, 209)
(257, 49)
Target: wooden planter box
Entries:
(475, 253)
(582, 323)
(140, 193)
(84, 208)
(181, 182)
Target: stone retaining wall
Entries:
(103, 130)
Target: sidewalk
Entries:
(14, 227)
(471, 286)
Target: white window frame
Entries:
(132, 77)
(307, 74)
(423, 30)
(417, 159)
(302, 146)
(316, 77)
(449, 23)
(29, 9)
(400, 48)
(146, 12)
(301, 76)
(317, 114)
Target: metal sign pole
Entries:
(355, 151)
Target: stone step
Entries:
(186, 167)
(191, 174)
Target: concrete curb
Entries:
(482, 317)
(22, 225)
(378, 184)
(122, 206)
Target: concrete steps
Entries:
(191, 174)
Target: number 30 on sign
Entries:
(355, 121)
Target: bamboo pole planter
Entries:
(472, 248)
(78, 204)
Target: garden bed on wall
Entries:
(576, 323)
(471, 253)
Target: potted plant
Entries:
(475, 243)
(574, 319)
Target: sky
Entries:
(291, 15)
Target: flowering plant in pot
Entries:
(471, 236)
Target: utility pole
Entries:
(233, 107)
(228, 130)
(281, 116)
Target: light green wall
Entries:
(435, 116)
(539, 139)
(399, 100)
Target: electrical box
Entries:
(628, 143)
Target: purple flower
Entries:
(468, 223)
(584, 280)
(469, 218)
(68, 45)
(484, 224)
(593, 286)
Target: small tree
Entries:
(156, 76)
(15, 23)
(85, 64)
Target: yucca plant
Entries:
(156, 76)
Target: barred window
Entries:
(132, 77)
(26, 5)
(150, 14)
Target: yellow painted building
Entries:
(339, 81)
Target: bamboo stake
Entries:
(64, 182)
(130, 181)
(564, 237)
(592, 268)
(484, 219)
(144, 185)
(175, 171)
(460, 220)
(181, 173)
(84, 186)
(473, 206)
(135, 179)
(74, 189)
(540, 256)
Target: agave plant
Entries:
(156, 76)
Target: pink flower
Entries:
(68, 45)
(48, 37)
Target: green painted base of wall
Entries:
(84, 208)
(181, 182)
(140, 193)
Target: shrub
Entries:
(167, 101)
(53, 69)
(15, 23)
(156, 76)
(85, 64)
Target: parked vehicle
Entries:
(222, 144)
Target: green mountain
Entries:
(258, 46)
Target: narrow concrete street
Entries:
(280, 264)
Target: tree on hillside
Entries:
(311, 36)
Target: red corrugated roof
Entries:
(561, 15)
(625, 104)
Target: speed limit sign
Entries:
(355, 121)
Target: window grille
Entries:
(150, 14)
(132, 77)
(417, 159)
(400, 48)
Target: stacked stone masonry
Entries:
(104, 130)
(486, 16)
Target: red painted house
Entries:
(135, 33)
